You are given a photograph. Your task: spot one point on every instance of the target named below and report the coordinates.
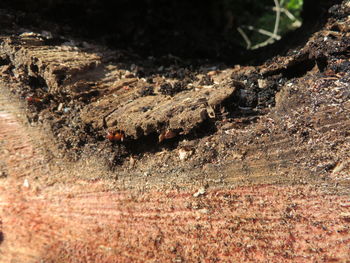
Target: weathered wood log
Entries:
(258, 168)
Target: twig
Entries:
(278, 17)
(245, 37)
(265, 32)
(275, 30)
(287, 13)
(278, 9)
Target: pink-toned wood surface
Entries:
(83, 223)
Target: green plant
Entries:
(266, 21)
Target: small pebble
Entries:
(201, 191)
(60, 106)
(26, 183)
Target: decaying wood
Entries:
(200, 176)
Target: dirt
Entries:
(118, 144)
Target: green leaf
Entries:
(294, 4)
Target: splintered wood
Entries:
(114, 99)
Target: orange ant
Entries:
(119, 135)
(34, 100)
(168, 134)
